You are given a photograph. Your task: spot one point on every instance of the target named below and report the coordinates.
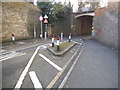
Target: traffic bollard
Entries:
(13, 38)
(61, 37)
(58, 43)
(53, 40)
(70, 37)
(45, 35)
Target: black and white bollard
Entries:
(13, 38)
(58, 43)
(70, 37)
(52, 40)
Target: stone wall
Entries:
(18, 18)
(106, 25)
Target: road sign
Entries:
(45, 21)
(45, 16)
(41, 18)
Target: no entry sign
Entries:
(41, 18)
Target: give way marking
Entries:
(50, 62)
(35, 80)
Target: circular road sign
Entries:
(41, 18)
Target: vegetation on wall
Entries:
(55, 11)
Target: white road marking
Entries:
(60, 73)
(50, 62)
(72, 51)
(44, 46)
(20, 81)
(50, 44)
(35, 80)
(70, 70)
(11, 56)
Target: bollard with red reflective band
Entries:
(58, 43)
(70, 37)
(13, 38)
(53, 40)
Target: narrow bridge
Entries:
(83, 22)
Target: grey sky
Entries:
(75, 3)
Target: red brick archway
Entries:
(83, 25)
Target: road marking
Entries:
(70, 70)
(50, 62)
(20, 81)
(35, 80)
(77, 42)
(59, 73)
(9, 56)
(50, 44)
(44, 46)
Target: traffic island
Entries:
(63, 48)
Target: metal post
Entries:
(46, 31)
(41, 31)
(61, 37)
(45, 35)
(34, 31)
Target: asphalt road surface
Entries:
(88, 64)
(34, 67)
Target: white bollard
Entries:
(70, 37)
(52, 40)
(61, 37)
(13, 38)
(45, 35)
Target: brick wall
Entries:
(106, 25)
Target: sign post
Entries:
(45, 21)
(41, 32)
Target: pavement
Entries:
(28, 42)
(97, 67)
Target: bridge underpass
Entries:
(83, 24)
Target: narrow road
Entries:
(82, 66)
